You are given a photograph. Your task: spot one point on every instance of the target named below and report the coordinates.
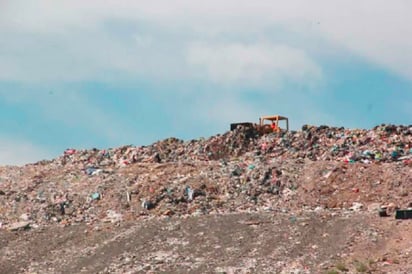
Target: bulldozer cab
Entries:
(271, 123)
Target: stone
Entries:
(24, 217)
(19, 226)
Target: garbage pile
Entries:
(236, 171)
(232, 143)
(386, 143)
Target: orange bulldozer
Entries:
(267, 124)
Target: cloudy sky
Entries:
(102, 74)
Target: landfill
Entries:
(314, 169)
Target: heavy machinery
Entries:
(267, 124)
(273, 125)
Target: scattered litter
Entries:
(356, 206)
(113, 216)
(95, 196)
(403, 214)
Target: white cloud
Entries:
(227, 109)
(380, 31)
(68, 40)
(256, 64)
(20, 152)
(231, 43)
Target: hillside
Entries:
(305, 201)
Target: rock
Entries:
(24, 217)
(19, 226)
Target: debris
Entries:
(91, 171)
(69, 152)
(24, 217)
(374, 207)
(239, 170)
(113, 216)
(383, 213)
(148, 205)
(254, 222)
(356, 206)
(314, 172)
(95, 196)
(403, 214)
(19, 226)
(190, 193)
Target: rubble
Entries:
(236, 171)
(318, 170)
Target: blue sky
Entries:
(84, 75)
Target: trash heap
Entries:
(232, 143)
(385, 143)
(240, 170)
